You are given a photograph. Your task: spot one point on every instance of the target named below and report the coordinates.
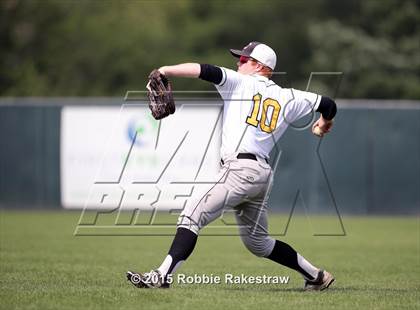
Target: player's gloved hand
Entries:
(321, 126)
(161, 100)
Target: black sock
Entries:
(285, 255)
(182, 246)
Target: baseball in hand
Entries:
(317, 131)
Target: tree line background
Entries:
(104, 48)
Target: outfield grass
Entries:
(43, 266)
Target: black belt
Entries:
(245, 156)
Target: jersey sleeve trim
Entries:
(317, 102)
(224, 77)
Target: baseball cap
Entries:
(260, 52)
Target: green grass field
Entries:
(43, 266)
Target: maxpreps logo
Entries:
(142, 130)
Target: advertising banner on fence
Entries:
(120, 157)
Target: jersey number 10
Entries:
(267, 103)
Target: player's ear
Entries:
(260, 67)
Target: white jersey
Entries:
(257, 112)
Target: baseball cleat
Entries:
(322, 282)
(152, 279)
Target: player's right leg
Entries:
(251, 217)
(252, 222)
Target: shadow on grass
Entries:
(331, 289)
(371, 289)
(268, 289)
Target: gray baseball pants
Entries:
(243, 185)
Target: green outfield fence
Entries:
(369, 164)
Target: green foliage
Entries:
(103, 48)
(378, 53)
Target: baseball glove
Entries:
(161, 100)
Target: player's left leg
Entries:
(197, 214)
(194, 217)
(182, 246)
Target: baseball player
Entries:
(256, 114)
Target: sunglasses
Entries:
(244, 59)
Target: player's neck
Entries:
(263, 74)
